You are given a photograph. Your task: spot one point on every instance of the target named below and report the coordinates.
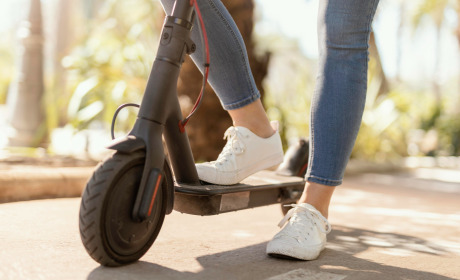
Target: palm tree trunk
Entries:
(458, 40)
(208, 125)
(400, 37)
(435, 83)
(25, 98)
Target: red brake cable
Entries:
(204, 37)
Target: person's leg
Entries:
(253, 144)
(230, 75)
(339, 99)
(344, 28)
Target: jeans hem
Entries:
(242, 103)
(322, 181)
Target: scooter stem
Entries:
(160, 113)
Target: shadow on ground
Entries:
(338, 261)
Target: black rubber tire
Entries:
(108, 232)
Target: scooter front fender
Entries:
(127, 144)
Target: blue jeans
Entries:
(229, 75)
(344, 27)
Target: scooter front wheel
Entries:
(109, 233)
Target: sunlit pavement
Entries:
(381, 230)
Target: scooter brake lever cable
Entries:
(204, 37)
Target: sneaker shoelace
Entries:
(234, 145)
(307, 215)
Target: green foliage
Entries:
(408, 122)
(386, 122)
(111, 65)
(449, 130)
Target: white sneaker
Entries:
(304, 236)
(244, 154)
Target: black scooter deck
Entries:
(262, 188)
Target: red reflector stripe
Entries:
(302, 169)
(154, 194)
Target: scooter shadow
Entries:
(337, 261)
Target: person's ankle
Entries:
(319, 196)
(324, 210)
(261, 130)
(254, 118)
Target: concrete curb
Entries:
(27, 182)
(24, 181)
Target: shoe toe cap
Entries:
(206, 172)
(283, 246)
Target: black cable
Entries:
(112, 128)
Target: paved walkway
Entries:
(380, 231)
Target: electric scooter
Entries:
(126, 199)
